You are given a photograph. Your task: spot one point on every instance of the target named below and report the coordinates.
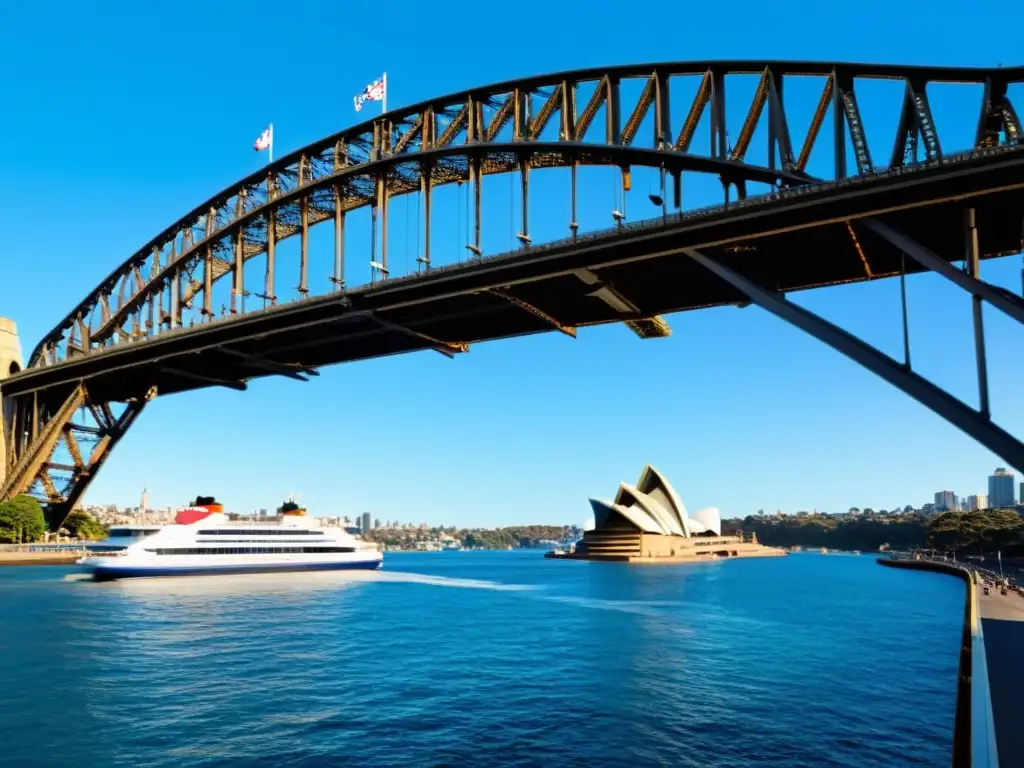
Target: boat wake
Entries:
(444, 581)
(277, 583)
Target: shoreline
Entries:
(57, 557)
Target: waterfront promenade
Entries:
(998, 621)
(1002, 620)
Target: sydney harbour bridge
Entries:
(173, 316)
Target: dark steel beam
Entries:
(282, 369)
(86, 428)
(953, 410)
(207, 380)
(115, 429)
(997, 297)
(568, 330)
(447, 348)
(783, 214)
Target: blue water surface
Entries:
(484, 659)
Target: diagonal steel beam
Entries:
(568, 330)
(30, 463)
(293, 372)
(953, 410)
(447, 348)
(238, 385)
(997, 297)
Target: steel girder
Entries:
(516, 126)
(45, 442)
(975, 422)
(568, 120)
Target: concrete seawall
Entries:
(974, 743)
(928, 565)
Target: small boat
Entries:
(824, 550)
(204, 541)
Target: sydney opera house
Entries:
(648, 523)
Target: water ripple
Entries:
(499, 659)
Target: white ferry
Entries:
(123, 536)
(204, 541)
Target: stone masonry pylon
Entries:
(10, 362)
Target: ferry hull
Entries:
(112, 571)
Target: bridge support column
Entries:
(10, 362)
(973, 422)
(970, 281)
(997, 297)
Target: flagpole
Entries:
(384, 101)
(271, 161)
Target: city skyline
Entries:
(358, 518)
(749, 413)
(1001, 494)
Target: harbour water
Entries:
(484, 659)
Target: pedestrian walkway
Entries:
(1002, 623)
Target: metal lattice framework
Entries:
(500, 129)
(567, 120)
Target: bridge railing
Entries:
(983, 733)
(974, 735)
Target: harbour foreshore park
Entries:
(648, 523)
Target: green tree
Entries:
(979, 531)
(21, 520)
(82, 525)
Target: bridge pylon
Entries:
(10, 362)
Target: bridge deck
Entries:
(797, 241)
(1002, 621)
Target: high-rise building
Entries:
(366, 522)
(976, 502)
(1001, 489)
(946, 501)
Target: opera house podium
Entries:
(647, 523)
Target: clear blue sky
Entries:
(121, 117)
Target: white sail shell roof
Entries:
(665, 519)
(653, 506)
(709, 519)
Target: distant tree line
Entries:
(82, 525)
(980, 531)
(516, 536)
(22, 522)
(500, 538)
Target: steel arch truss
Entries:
(57, 442)
(564, 119)
(976, 422)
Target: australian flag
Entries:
(373, 92)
